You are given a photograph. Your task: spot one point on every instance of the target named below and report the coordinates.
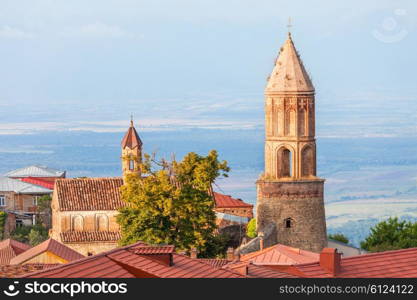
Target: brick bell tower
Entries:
(290, 195)
(131, 151)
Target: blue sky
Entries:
(90, 64)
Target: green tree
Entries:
(37, 235)
(251, 230)
(391, 234)
(339, 237)
(44, 211)
(3, 218)
(32, 235)
(170, 203)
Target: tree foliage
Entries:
(391, 234)
(32, 235)
(170, 203)
(339, 237)
(3, 218)
(44, 211)
(251, 230)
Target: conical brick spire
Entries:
(289, 74)
(131, 138)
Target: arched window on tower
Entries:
(131, 165)
(284, 166)
(307, 162)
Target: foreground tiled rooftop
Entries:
(280, 255)
(136, 261)
(388, 264)
(50, 246)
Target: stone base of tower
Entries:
(296, 208)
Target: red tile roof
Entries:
(13, 271)
(49, 184)
(131, 138)
(6, 254)
(215, 262)
(255, 271)
(226, 201)
(146, 249)
(125, 263)
(49, 245)
(10, 248)
(280, 255)
(89, 236)
(104, 194)
(89, 194)
(388, 264)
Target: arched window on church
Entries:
(307, 162)
(131, 165)
(284, 160)
(77, 223)
(102, 222)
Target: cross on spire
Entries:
(289, 25)
(131, 120)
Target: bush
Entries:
(32, 235)
(391, 234)
(339, 237)
(3, 217)
(251, 230)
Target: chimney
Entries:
(193, 253)
(261, 241)
(230, 255)
(330, 260)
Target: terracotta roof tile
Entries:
(388, 264)
(281, 255)
(89, 236)
(104, 194)
(146, 249)
(215, 262)
(6, 254)
(13, 271)
(226, 201)
(131, 138)
(10, 248)
(49, 245)
(256, 271)
(89, 194)
(124, 263)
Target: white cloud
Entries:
(98, 30)
(14, 33)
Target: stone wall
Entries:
(88, 249)
(297, 210)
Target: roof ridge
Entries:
(87, 258)
(201, 262)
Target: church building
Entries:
(84, 210)
(289, 194)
